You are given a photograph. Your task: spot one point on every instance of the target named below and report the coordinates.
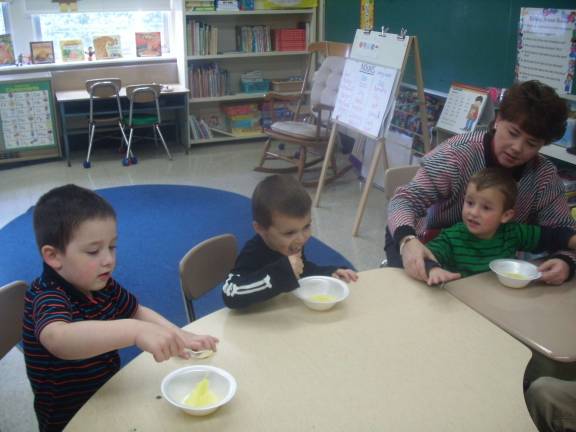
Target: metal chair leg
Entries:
(92, 128)
(126, 160)
(157, 128)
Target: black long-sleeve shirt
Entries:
(261, 273)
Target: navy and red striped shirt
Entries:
(60, 386)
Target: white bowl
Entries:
(177, 385)
(515, 273)
(321, 292)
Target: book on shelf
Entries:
(202, 38)
(208, 80)
(199, 129)
(107, 47)
(148, 44)
(227, 5)
(72, 50)
(253, 38)
(246, 4)
(6, 50)
(199, 5)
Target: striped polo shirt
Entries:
(434, 198)
(460, 251)
(60, 386)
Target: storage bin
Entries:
(286, 86)
(255, 87)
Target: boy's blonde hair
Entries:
(500, 179)
(282, 194)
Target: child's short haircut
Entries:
(60, 211)
(282, 194)
(500, 179)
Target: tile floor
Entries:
(227, 167)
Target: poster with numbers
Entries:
(26, 121)
(363, 100)
(463, 108)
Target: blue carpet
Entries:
(157, 225)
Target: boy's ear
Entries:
(258, 228)
(51, 256)
(507, 216)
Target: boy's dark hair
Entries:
(537, 109)
(60, 211)
(479, 99)
(282, 194)
(500, 179)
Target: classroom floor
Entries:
(227, 167)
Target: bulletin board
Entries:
(27, 122)
(467, 41)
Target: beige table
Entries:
(541, 316)
(395, 356)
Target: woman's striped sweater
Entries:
(434, 198)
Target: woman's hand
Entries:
(413, 255)
(554, 271)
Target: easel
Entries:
(392, 52)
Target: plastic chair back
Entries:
(104, 87)
(204, 266)
(11, 312)
(398, 176)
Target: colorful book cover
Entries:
(6, 50)
(148, 44)
(42, 52)
(72, 50)
(107, 47)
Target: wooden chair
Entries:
(11, 312)
(308, 129)
(146, 96)
(104, 88)
(205, 266)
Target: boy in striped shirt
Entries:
(76, 316)
(486, 232)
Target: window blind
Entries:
(47, 6)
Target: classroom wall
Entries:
(469, 41)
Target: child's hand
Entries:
(198, 342)
(297, 264)
(160, 341)
(346, 275)
(438, 275)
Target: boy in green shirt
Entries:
(486, 233)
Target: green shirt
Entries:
(459, 251)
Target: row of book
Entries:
(220, 5)
(202, 38)
(208, 80)
(199, 129)
(253, 38)
(199, 5)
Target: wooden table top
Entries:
(397, 355)
(541, 316)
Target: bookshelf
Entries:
(214, 62)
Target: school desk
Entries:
(75, 105)
(396, 355)
(541, 316)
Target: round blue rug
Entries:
(157, 225)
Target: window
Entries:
(84, 26)
(4, 21)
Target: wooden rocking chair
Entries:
(309, 129)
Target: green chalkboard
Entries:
(468, 41)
